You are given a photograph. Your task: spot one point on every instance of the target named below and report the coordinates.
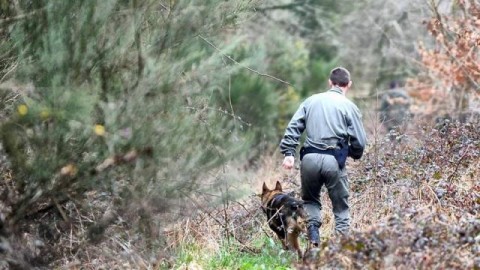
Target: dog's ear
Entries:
(265, 188)
(278, 186)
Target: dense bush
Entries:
(130, 105)
(111, 97)
(424, 194)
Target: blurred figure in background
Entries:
(394, 106)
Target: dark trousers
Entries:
(318, 170)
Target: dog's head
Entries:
(268, 194)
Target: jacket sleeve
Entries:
(293, 132)
(356, 133)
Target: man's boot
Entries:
(313, 235)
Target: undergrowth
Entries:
(415, 203)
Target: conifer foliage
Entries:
(112, 97)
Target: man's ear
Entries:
(278, 186)
(350, 84)
(330, 83)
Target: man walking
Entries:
(334, 131)
(394, 107)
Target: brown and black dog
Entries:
(285, 216)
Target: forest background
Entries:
(131, 129)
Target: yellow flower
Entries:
(44, 114)
(69, 170)
(299, 44)
(22, 109)
(99, 130)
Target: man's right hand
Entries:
(288, 162)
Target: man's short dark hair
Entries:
(340, 76)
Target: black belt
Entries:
(340, 154)
(313, 150)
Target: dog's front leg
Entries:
(295, 244)
(292, 239)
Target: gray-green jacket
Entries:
(327, 117)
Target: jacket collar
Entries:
(336, 90)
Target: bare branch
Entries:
(277, 7)
(245, 67)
